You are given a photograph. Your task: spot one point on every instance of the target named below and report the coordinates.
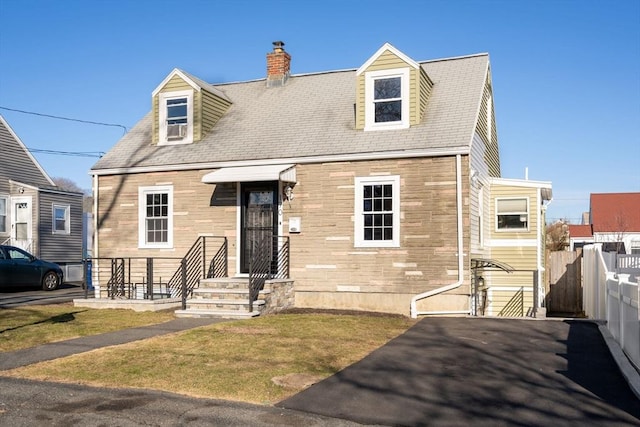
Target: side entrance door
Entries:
(21, 222)
(259, 217)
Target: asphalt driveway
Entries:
(16, 297)
(481, 372)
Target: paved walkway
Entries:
(441, 372)
(60, 349)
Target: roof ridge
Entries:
(451, 58)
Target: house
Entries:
(614, 219)
(35, 214)
(382, 182)
(579, 236)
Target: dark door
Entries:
(259, 217)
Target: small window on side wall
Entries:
(377, 211)
(155, 217)
(512, 214)
(61, 219)
(3, 214)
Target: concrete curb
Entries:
(629, 373)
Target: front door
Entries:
(259, 219)
(21, 222)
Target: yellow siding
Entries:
(419, 88)
(502, 191)
(520, 258)
(509, 294)
(360, 101)
(511, 303)
(385, 61)
(426, 86)
(213, 108)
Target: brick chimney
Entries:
(278, 65)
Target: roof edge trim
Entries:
(295, 160)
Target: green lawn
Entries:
(39, 324)
(235, 360)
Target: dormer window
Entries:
(387, 99)
(176, 117)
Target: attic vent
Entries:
(176, 131)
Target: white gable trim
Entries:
(380, 51)
(183, 76)
(26, 150)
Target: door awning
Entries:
(284, 173)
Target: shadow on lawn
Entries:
(59, 318)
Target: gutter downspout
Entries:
(414, 310)
(94, 252)
(541, 235)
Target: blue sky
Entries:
(566, 73)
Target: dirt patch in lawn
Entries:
(296, 381)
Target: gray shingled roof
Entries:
(313, 115)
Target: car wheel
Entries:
(50, 281)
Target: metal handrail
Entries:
(148, 272)
(193, 267)
(269, 260)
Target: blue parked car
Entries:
(19, 268)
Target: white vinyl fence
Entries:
(612, 297)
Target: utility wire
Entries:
(97, 154)
(65, 118)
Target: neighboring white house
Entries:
(614, 218)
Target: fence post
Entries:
(536, 296)
(183, 265)
(204, 256)
(226, 259)
(85, 263)
(623, 309)
(150, 278)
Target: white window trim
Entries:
(369, 109)
(513, 230)
(67, 219)
(7, 228)
(162, 109)
(142, 215)
(358, 239)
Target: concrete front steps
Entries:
(226, 298)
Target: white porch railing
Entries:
(612, 297)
